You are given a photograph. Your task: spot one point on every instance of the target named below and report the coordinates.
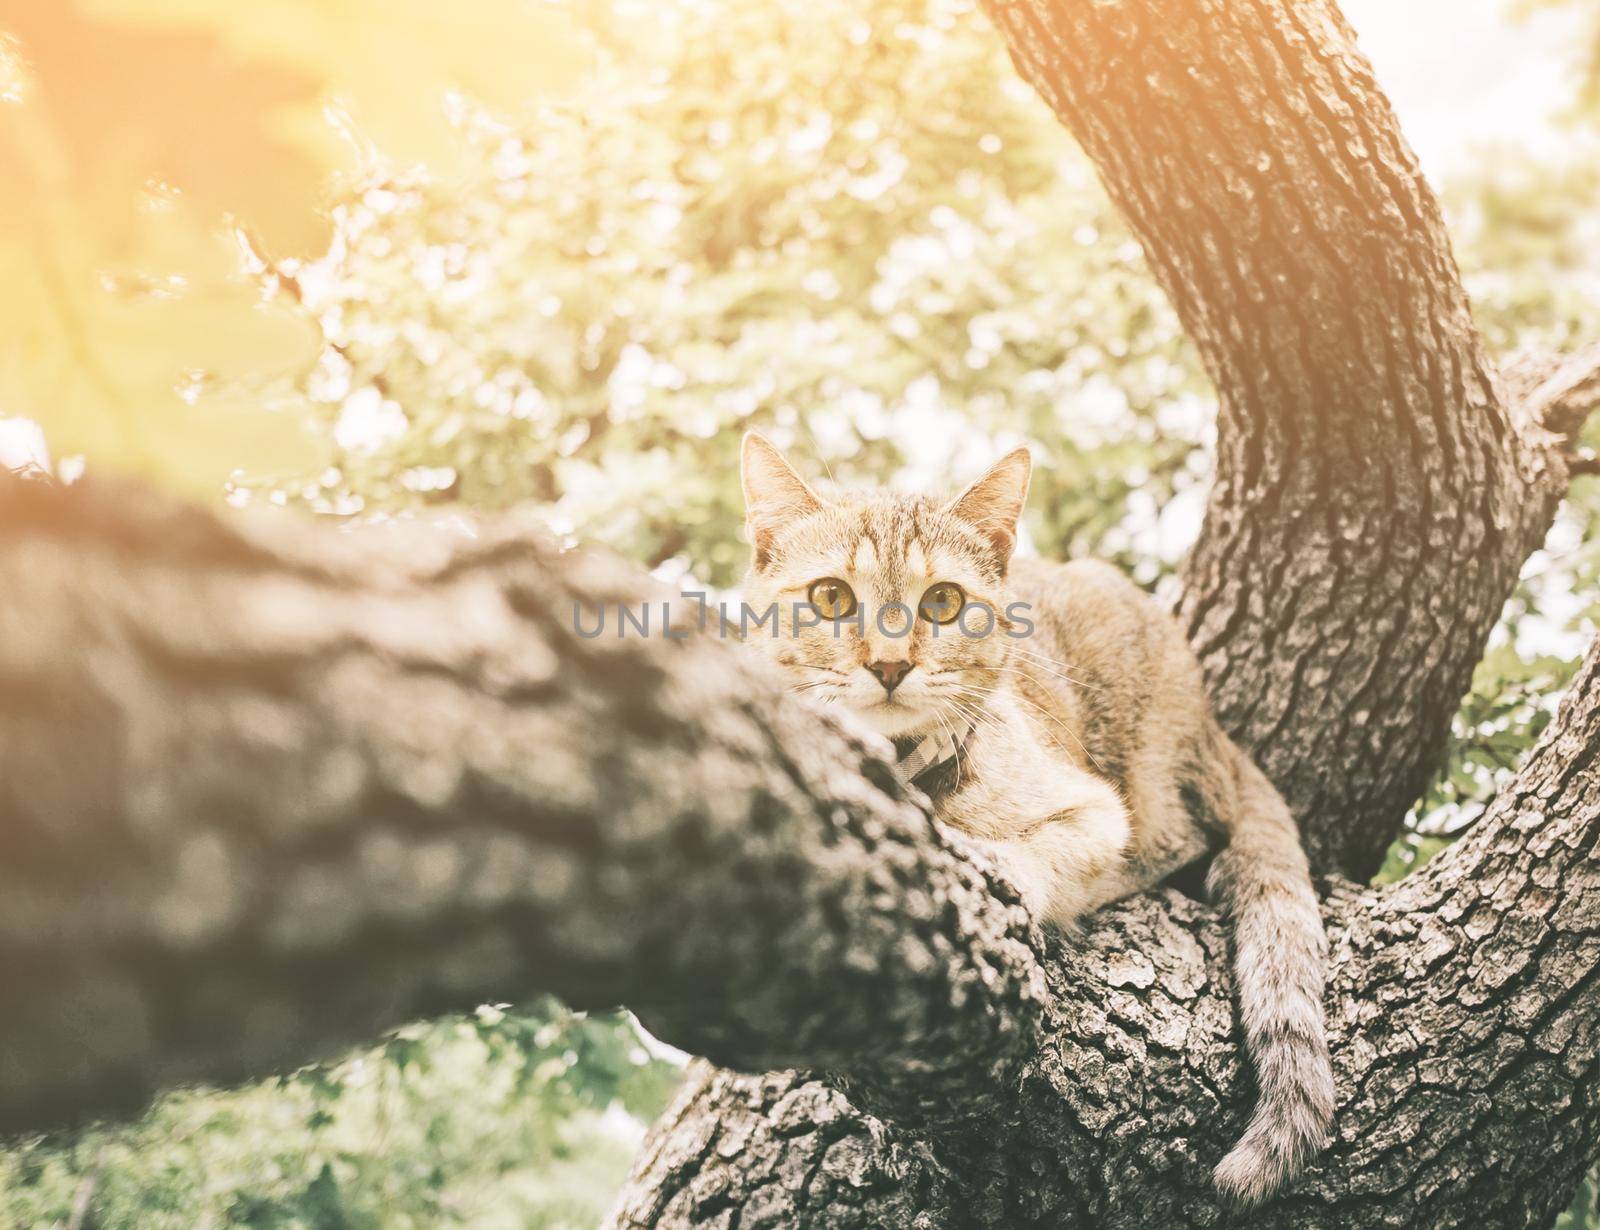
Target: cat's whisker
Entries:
(977, 715)
(1036, 672)
(1044, 659)
(969, 706)
(816, 687)
(1021, 646)
(1051, 666)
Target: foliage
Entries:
(1584, 1213)
(1587, 102)
(766, 235)
(519, 1120)
(129, 129)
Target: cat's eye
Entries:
(832, 597)
(942, 602)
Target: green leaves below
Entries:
(521, 1119)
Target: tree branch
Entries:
(1464, 1014)
(1558, 392)
(263, 794)
(268, 790)
(1553, 396)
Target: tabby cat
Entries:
(1056, 718)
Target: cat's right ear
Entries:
(774, 494)
(994, 503)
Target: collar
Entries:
(932, 762)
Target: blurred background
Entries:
(365, 259)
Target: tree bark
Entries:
(263, 795)
(264, 791)
(1375, 493)
(1465, 1028)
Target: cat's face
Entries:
(892, 606)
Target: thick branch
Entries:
(265, 794)
(262, 795)
(1463, 1009)
(1375, 497)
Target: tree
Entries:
(301, 833)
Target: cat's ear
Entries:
(773, 494)
(994, 503)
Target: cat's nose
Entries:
(890, 673)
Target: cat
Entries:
(1056, 718)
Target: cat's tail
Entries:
(1279, 960)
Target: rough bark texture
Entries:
(266, 791)
(264, 795)
(1465, 1021)
(1375, 496)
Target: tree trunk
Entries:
(265, 790)
(1377, 491)
(1374, 497)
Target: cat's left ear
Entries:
(994, 503)
(774, 495)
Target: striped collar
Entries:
(932, 762)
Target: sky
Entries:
(1461, 72)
